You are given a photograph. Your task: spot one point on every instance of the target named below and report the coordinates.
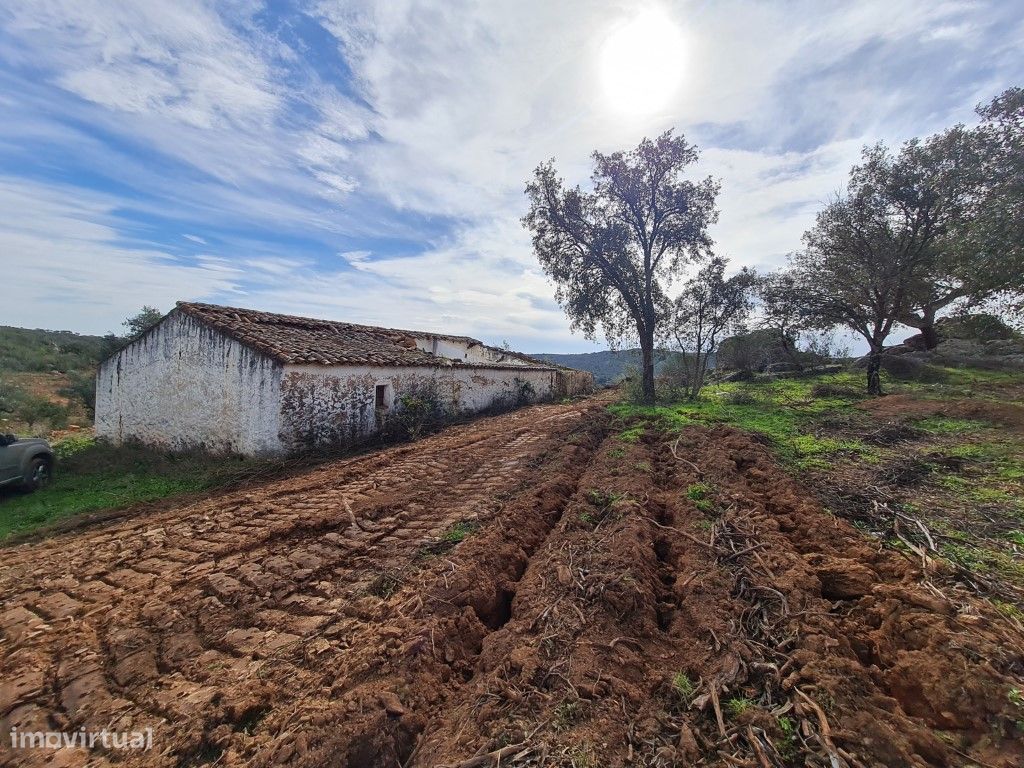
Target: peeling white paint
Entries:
(184, 385)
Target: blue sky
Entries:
(365, 161)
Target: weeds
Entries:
(738, 705)
(699, 494)
(787, 745)
(458, 532)
(683, 687)
(567, 714)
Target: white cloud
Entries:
(451, 105)
(65, 267)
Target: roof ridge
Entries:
(200, 306)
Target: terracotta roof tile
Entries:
(298, 340)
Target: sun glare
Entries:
(642, 63)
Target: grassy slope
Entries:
(92, 477)
(25, 349)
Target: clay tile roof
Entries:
(292, 339)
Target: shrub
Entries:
(73, 444)
(38, 410)
(740, 397)
(905, 368)
(827, 389)
(420, 410)
(82, 387)
(979, 327)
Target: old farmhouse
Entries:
(229, 379)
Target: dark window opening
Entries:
(380, 400)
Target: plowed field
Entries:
(524, 590)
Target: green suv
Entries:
(27, 462)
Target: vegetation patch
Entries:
(91, 476)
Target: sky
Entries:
(365, 161)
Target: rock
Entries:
(739, 376)
(391, 703)
(564, 575)
(687, 744)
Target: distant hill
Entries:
(25, 349)
(608, 367)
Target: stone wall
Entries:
(323, 406)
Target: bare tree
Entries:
(613, 251)
(709, 306)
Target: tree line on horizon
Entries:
(934, 226)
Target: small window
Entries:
(381, 397)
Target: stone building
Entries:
(227, 379)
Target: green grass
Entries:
(682, 686)
(787, 744)
(90, 477)
(699, 494)
(738, 705)
(458, 532)
(783, 410)
(70, 495)
(941, 425)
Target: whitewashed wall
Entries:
(474, 354)
(183, 385)
(335, 405)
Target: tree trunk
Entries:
(647, 351)
(789, 347)
(926, 325)
(875, 372)
(928, 332)
(930, 335)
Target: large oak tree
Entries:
(613, 250)
(864, 252)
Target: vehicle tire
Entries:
(39, 474)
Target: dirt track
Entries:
(333, 619)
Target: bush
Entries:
(979, 327)
(73, 444)
(740, 397)
(753, 351)
(38, 410)
(828, 389)
(822, 348)
(82, 387)
(420, 410)
(905, 368)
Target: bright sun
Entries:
(642, 63)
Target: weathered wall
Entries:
(183, 385)
(569, 382)
(335, 405)
(474, 354)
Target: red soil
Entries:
(334, 619)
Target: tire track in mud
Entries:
(585, 612)
(105, 628)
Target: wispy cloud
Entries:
(366, 160)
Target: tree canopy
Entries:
(613, 251)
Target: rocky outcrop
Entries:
(972, 341)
